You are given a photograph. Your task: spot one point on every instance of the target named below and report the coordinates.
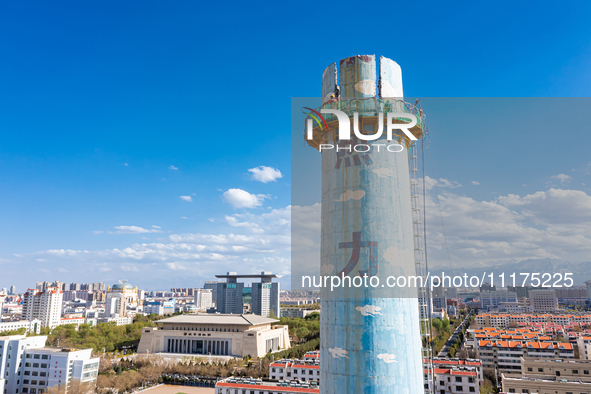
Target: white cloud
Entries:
(175, 266)
(62, 270)
(171, 167)
(563, 178)
(475, 183)
(126, 164)
(98, 231)
(239, 198)
(265, 174)
(186, 198)
(430, 183)
(158, 227)
(135, 230)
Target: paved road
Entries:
(453, 337)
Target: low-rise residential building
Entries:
(554, 385)
(505, 356)
(304, 370)
(30, 326)
(455, 380)
(535, 367)
(258, 386)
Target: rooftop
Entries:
(214, 318)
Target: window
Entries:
(530, 369)
(524, 390)
(45, 357)
(43, 374)
(36, 357)
(540, 369)
(26, 381)
(557, 373)
(35, 373)
(27, 364)
(575, 371)
(43, 365)
(35, 365)
(458, 378)
(28, 356)
(458, 388)
(472, 390)
(27, 373)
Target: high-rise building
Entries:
(74, 286)
(265, 297)
(203, 299)
(27, 366)
(45, 306)
(13, 289)
(213, 286)
(543, 300)
(2, 297)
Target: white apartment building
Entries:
(543, 300)
(45, 306)
(258, 386)
(455, 380)
(27, 366)
(505, 356)
(32, 326)
(203, 299)
(582, 344)
(303, 370)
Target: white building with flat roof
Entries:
(31, 326)
(215, 334)
(27, 366)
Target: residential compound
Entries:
(215, 334)
(27, 366)
(502, 350)
(506, 320)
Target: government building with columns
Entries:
(216, 335)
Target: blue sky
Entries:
(100, 99)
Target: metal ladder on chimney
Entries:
(424, 293)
